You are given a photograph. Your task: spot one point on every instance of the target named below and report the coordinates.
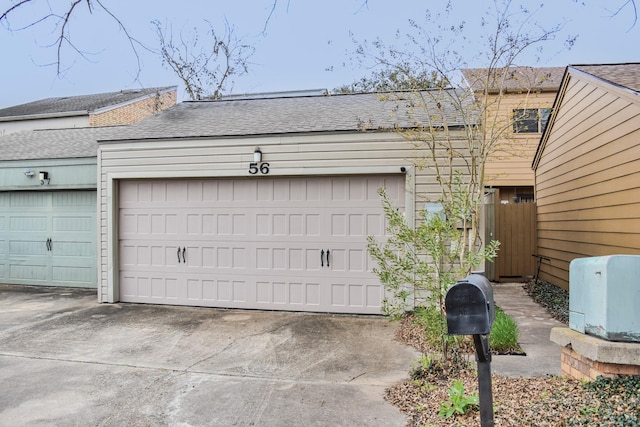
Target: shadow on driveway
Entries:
(65, 359)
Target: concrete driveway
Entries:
(67, 360)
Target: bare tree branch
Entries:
(207, 66)
(130, 38)
(7, 12)
(633, 7)
(270, 15)
(62, 22)
(64, 30)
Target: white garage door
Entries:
(48, 238)
(277, 244)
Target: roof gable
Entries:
(624, 75)
(81, 105)
(622, 79)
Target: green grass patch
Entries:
(504, 334)
(503, 338)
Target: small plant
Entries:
(422, 367)
(458, 403)
(588, 411)
(504, 334)
(435, 326)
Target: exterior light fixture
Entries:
(257, 155)
(43, 176)
(28, 173)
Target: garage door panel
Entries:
(148, 253)
(219, 291)
(142, 223)
(27, 248)
(164, 289)
(71, 274)
(36, 273)
(256, 243)
(360, 297)
(29, 224)
(351, 260)
(79, 250)
(27, 199)
(297, 293)
(271, 259)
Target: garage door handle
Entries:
(322, 258)
(178, 254)
(184, 257)
(328, 252)
(49, 244)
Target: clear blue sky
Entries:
(307, 44)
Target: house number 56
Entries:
(261, 167)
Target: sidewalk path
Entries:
(534, 324)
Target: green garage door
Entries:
(48, 238)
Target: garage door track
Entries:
(65, 359)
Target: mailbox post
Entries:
(470, 311)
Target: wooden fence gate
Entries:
(515, 229)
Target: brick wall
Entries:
(579, 367)
(134, 112)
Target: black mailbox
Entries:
(469, 305)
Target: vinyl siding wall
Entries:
(296, 155)
(588, 178)
(510, 164)
(64, 174)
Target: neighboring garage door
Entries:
(276, 244)
(48, 238)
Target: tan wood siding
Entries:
(588, 179)
(510, 164)
(296, 155)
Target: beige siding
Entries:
(588, 179)
(510, 163)
(338, 154)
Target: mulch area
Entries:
(544, 401)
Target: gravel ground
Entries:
(546, 401)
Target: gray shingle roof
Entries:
(330, 113)
(515, 78)
(55, 143)
(248, 117)
(83, 103)
(625, 75)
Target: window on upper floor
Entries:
(530, 120)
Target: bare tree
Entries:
(455, 131)
(206, 65)
(392, 79)
(433, 48)
(22, 14)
